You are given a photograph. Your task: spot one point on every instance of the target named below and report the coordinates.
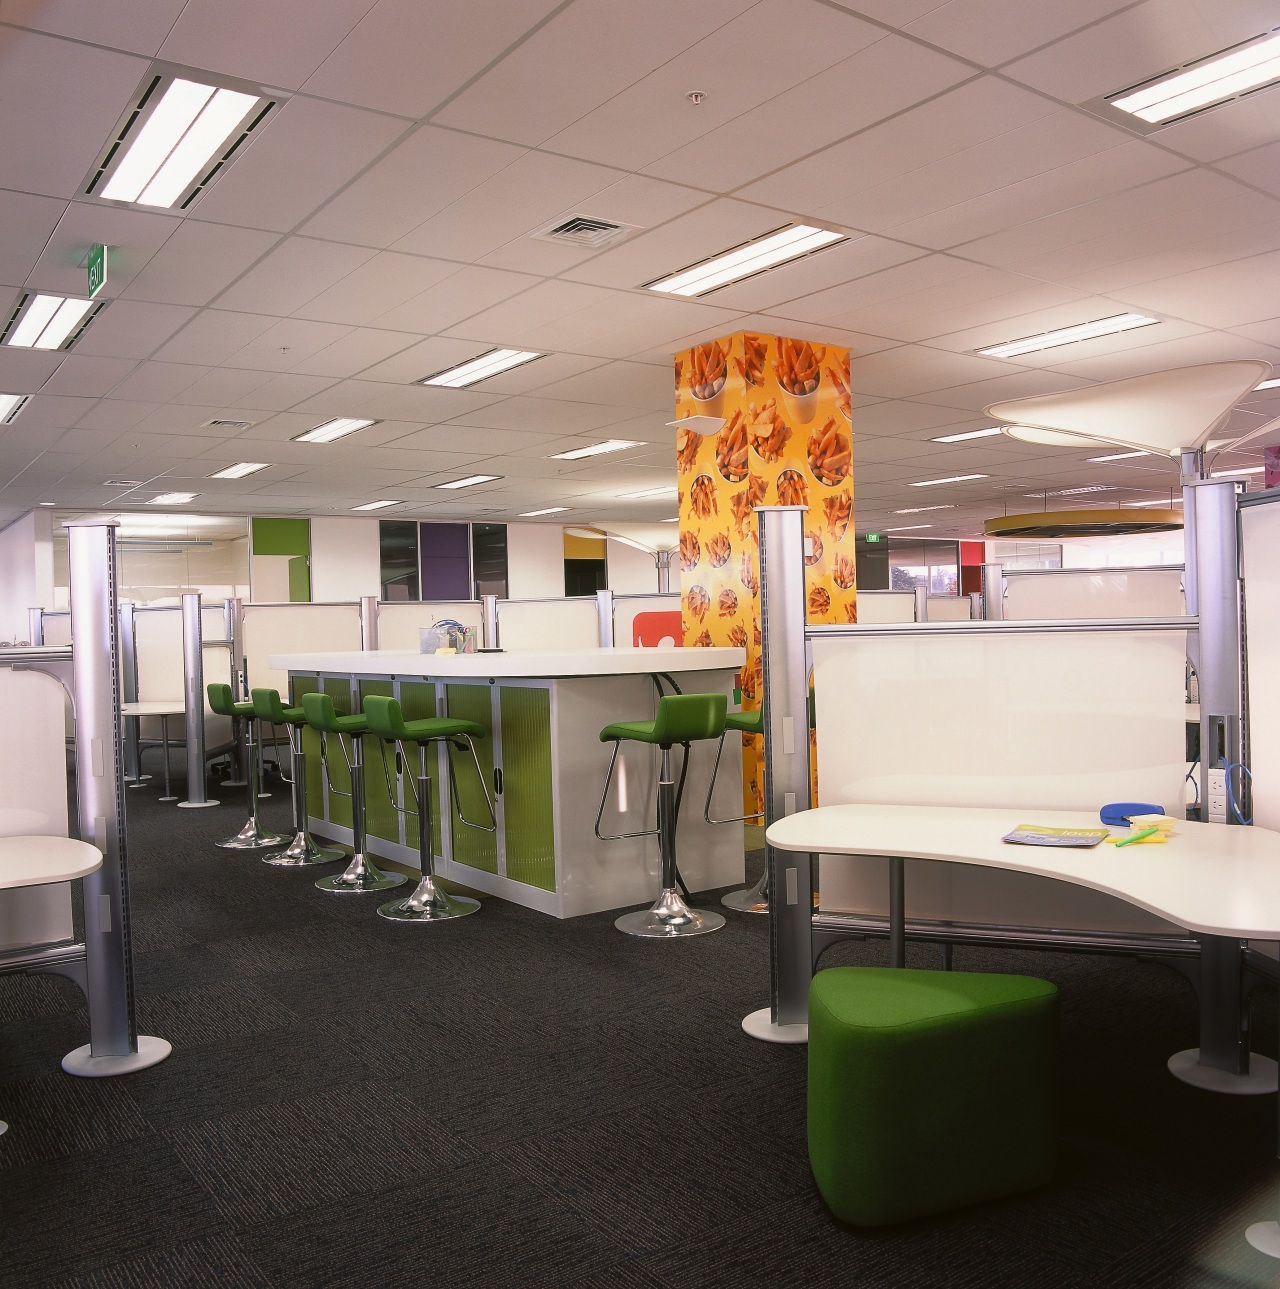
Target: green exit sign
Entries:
(872, 537)
(97, 269)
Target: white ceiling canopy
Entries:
(1166, 411)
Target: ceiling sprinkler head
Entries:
(695, 96)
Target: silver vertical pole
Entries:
(922, 603)
(975, 605)
(993, 592)
(664, 571)
(786, 773)
(604, 610)
(114, 1046)
(489, 622)
(233, 622)
(1192, 470)
(35, 626)
(129, 677)
(368, 621)
(193, 671)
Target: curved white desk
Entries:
(163, 708)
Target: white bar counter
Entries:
(542, 712)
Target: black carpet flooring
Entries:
(513, 1100)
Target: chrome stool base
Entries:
(751, 899)
(668, 918)
(359, 876)
(302, 852)
(250, 837)
(429, 902)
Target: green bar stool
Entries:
(302, 851)
(429, 902)
(753, 899)
(252, 836)
(359, 875)
(683, 719)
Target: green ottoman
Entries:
(929, 1090)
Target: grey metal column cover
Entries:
(604, 610)
(193, 671)
(993, 592)
(369, 621)
(786, 756)
(129, 681)
(35, 626)
(922, 603)
(489, 622)
(664, 571)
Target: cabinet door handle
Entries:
(497, 781)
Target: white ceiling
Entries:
(377, 230)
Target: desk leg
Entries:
(1265, 1236)
(133, 776)
(897, 912)
(164, 742)
(1223, 1062)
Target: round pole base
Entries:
(668, 918)
(1261, 1079)
(360, 876)
(138, 782)
(4, 1127)
(234, 783)
(250, 837)
(302, 852)
(197, 805)
(166, 798)
(82, 1062)
(751, 899)
(429, 903)
(760, 1025)
(1265, 1237)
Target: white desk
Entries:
(163, 708)
(1220, 882)
(42, 861)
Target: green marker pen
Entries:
(1138, 836)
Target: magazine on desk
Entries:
(1038, 835)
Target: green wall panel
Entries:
(472, 847)
(281, 536)
(300, 580)
(380, 818)
(418, 702)
(526, 785)
(339, 689)
(310, 747)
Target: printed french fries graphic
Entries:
(698, 602)
(813, 547)
(731, 449)
(690, 551)
(792, 489)
(838, 511)
(719, 550)
(840, 383)
(843, 572)
(830, 453)
(796, 365)
(767, 431)
(751, 365)
(707, 370)
(727, 604)
(687, 444)
(704, 498)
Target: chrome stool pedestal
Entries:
(252, 836)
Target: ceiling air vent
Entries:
(583, 230)
(228, 425)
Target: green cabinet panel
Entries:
(472, 847)
(300, 580)
(528, 806)
(339, 689)
(281, 536)
(380, 817)
(418, 703)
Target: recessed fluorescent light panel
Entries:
(1245, 469)
(595, 450)
(1069, 335)
(907, 528)
(240, 469)
(955, 478)
(550, 510)
(376, 505)
(646, 492)
(1118, 456)
(1208, 82)
(177, 135)
(470, 481)
(173, 498)
(1269, 384)
(969, 434)
(11, 405)
(331, 430)
(493, 363)
(923, 510)
(49, 321)
(746, 261)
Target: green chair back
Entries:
(222, 700)
(321, 713)
(268, 707)
(686, 718)
(385, 718)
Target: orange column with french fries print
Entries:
(779, 431)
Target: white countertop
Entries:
(38, 861)
(548, 663)
(155, 707)
(1210, 878)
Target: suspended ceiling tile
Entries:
(778, 324)
(279, 44)
(901, 373)
(599, 49)
(115, 414)
(542, 415)
(1184, 351)
(283, 391)
(197, 262)
(468, 291)
(354, 352)
(1260, 166)
(423, 359)
(24, 370)
(1228, 129)
(158, 381)
(534, 255)
(50, 411)
(213, 335)
(904, 417)
(131, 329)
(406, 57)
(375, 287)
(27, 221)
(420, 176)
(225, 386)
(476, 440)
(295, 271)
(92, 377)
(286, 343)
(653, 117)
(121, 24)
(974, 397)
(61, 132)
(536, 375)
(420, 403)
(622, 384)
(641, 201)
(542, 303)
(304, 153)
(1226, 295)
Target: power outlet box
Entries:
(1215, 796)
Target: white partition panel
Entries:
(1066, 720)
(57, 628)
(1260, 539)
(549, 624)
(949, 608)
(157, 636)
(627, 607)
(294, 628)
(1054, 594)
(33, 802)
(399, 624)
(886, 606)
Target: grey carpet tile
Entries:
(214, 1262)
(288, 948)
(31, 1049)
(469, 1227)
(23, 998)
(157, 931)
(625, 1275)
(71, 1216)
(280, 1158)
(163, 970)
(59, 1115)
(211, 1013)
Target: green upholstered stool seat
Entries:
(682, 718)
(321, 715)
(745, 722)
(387, 721)
(222, 701)
(267, 706)
(929, 1090)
